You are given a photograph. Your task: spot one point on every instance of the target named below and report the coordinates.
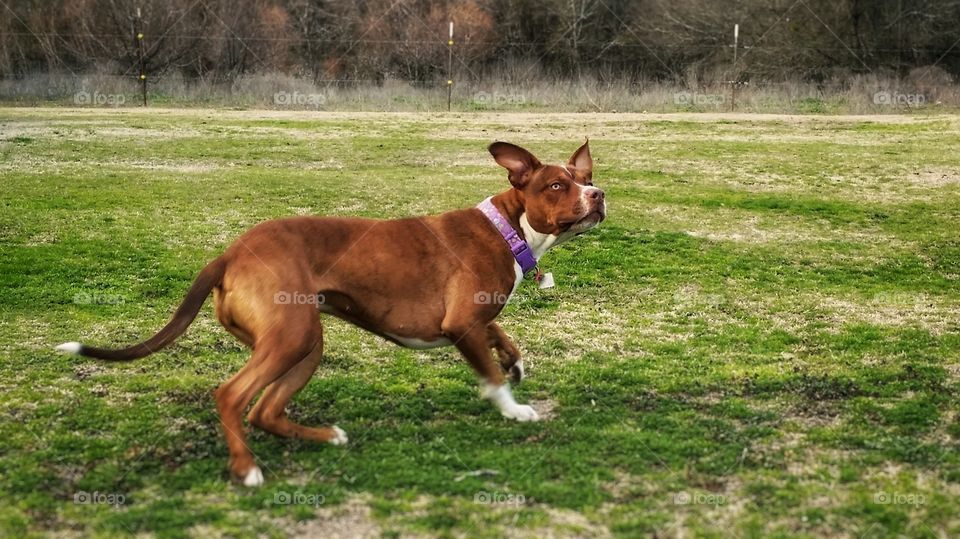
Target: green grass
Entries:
(763, 339)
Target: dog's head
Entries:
(560, 200)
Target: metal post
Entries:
(735, 81)
(899, 39)
(450, 67)
(143, 71)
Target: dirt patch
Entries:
(349, 520)
(808, 414)
(626, 485)
(932, 314)
(184, 167)
(953, 370)
(606, 328)
(87, 370)
(353, 519)
(47, 237)
(794, 313)
(741, 226)
(86, 129)
(934, 178)
(564, 523)
(545, 408)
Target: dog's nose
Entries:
(596, 194)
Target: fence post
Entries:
(450, 67)
(735, 83)
(143, 72)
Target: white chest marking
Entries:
(420, 344)
(539, 242)
(518, 276)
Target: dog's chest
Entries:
(518, 277)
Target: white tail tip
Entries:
(72, 347)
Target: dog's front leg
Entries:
(510, 359)
(472, 341)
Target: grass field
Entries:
(763, 339)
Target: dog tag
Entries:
(546, 281)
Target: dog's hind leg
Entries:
(285, 343)
(269, 412)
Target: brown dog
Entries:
(420, 282)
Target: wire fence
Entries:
(501, 43)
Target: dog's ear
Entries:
(581, 159)
(515, 159)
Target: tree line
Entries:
(371, 40)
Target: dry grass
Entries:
(524, 89)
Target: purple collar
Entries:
(521, 251)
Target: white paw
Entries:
(254, 478)
(340, 438)
(521, 412)
(503, 399)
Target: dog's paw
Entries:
(254, 477)
(339, 438)
(522, 413)
(516, 372)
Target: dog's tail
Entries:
(209, 277)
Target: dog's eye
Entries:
(557, 186)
